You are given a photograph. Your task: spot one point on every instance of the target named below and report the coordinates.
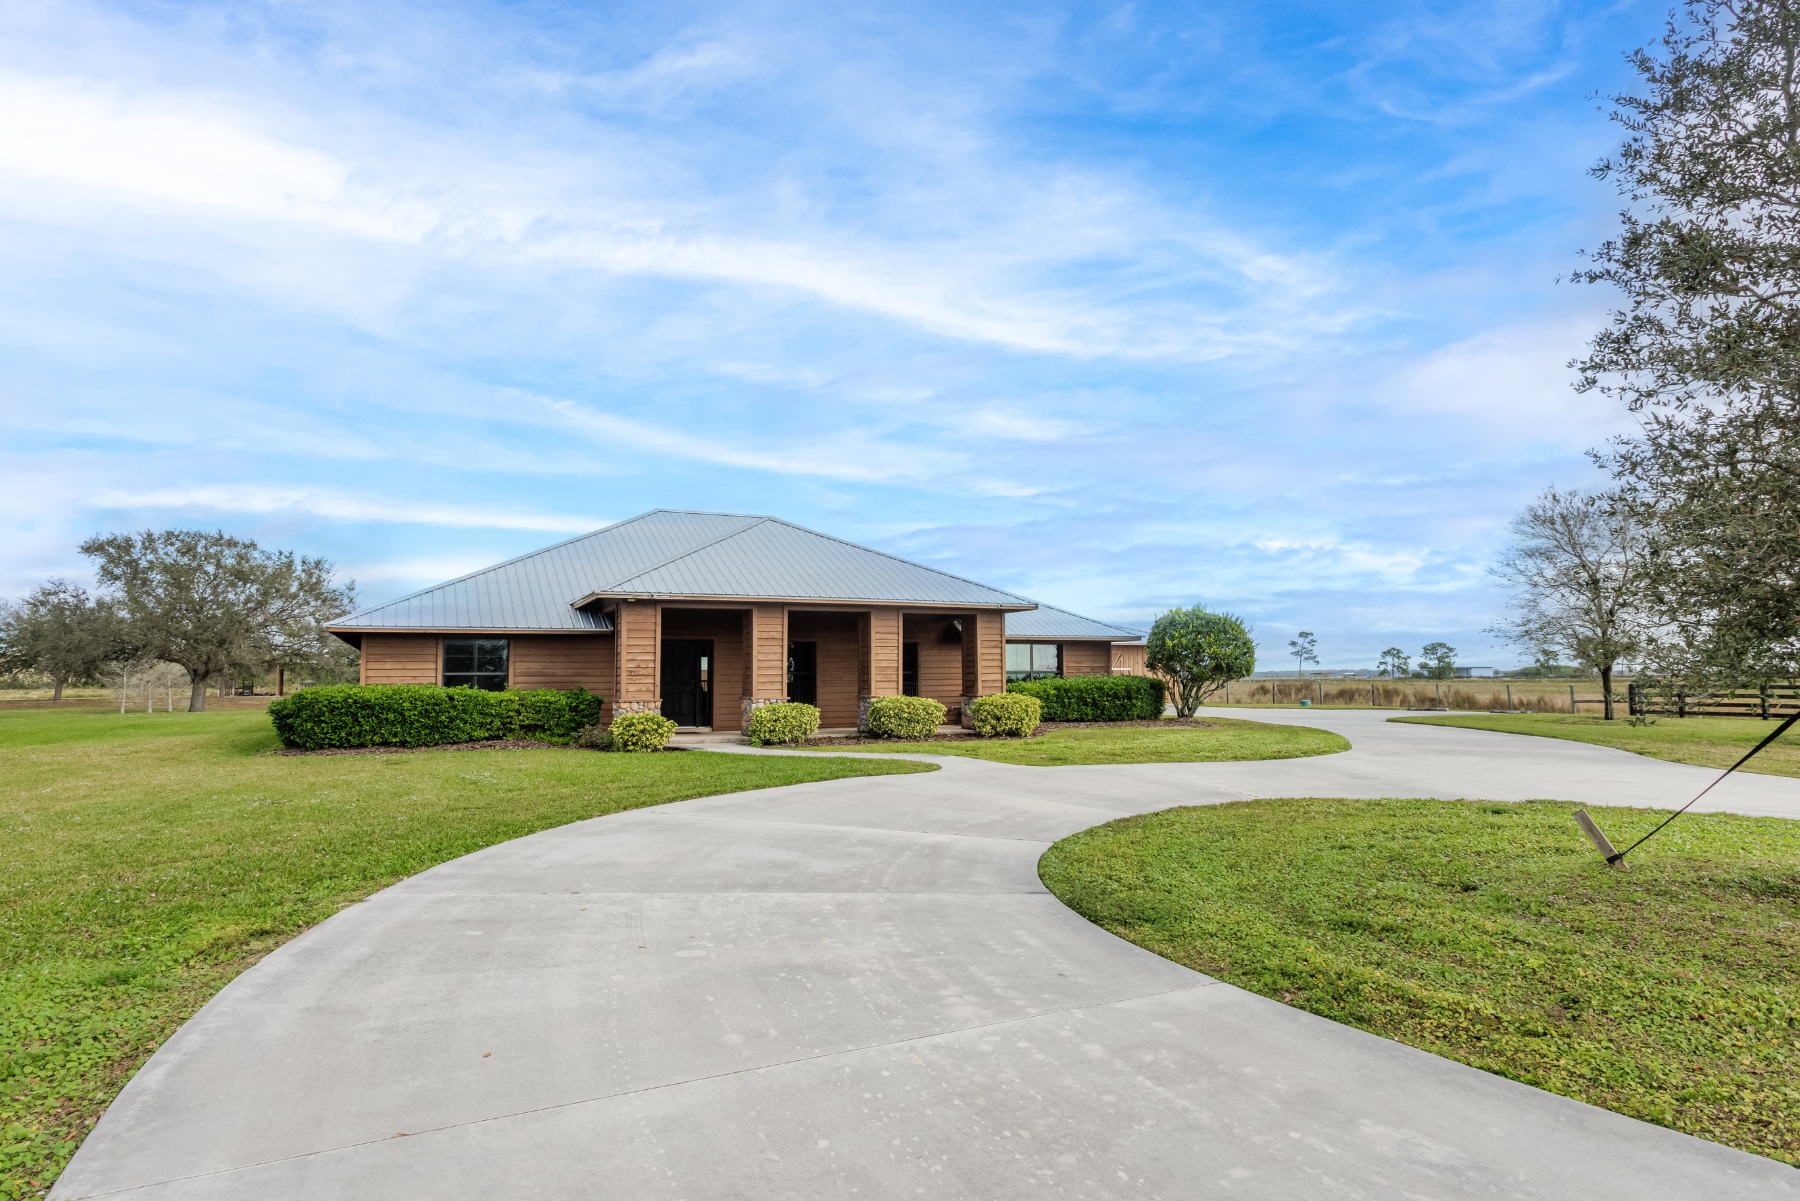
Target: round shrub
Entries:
(788, 721)
(595, 738)
(1012, 714)
(905, 716)
(641, 732)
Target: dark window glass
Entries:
(1033, 660)
(909, 669)
(803, 672)
(475, 663)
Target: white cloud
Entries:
(338, 506)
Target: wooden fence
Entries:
(1764, 703)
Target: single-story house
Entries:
(705, 616)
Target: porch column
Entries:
(637, 657)
(877, 659)
(765, 659)
(984, 657)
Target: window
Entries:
(1033, 660)
(909, 669)
(475, 663)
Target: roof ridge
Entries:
(1115, 625)
(896, 558)
(542, 550)
(692, 550)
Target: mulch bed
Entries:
(1046, 728)
(498, 744)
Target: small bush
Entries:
(1096, 698)
(641, 731)
(595, 738)
(1013, 714)
(346, 715)
(789, 721)
(905, 716)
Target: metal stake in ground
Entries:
(1618, 857)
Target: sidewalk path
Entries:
(859, 988)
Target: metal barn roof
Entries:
(1047, 621)
(669, 553)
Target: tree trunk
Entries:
(197, 697)
(58, 681)
(1606, 670)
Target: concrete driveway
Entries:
(860, 989)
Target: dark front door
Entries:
(803, 672)
(909, 669)
(687, 681)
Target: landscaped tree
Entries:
(1394, 663)
(208, 601)
(60, 632)
(1706, 349)
(1439, 661)
(1198, 652)
(1577, 565)
(1301, 648)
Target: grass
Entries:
(1232, 739)
(1492, 934)
(150, 859)
(1706, 741)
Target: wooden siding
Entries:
(940, 659)
(878, 659)
(401, 659)
(1128, 660)
(637, 636)
(840, 647)
(565, 661)
(984, 653)
(1087, 658)
(765, 633)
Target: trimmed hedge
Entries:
(641, 732)
(1005, 713)
(1096, 698)
(345, 715)
(905, 716)
(786, 721)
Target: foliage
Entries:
(782, 723)
(163, 855)
(1577, 563)
(1302, 647)
(1220, 740)
(1198, 652)
(1439, 661)
(1394, 663)
(1096, 698)
(1005, 714)
(639, 732)
(1707, 348)
(1715, 742)
(211, 602)
(594, 738)
(350, 715)
(1491, 934)
(905, 716)
(59, 633)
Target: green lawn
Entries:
(147, 860)
(1232, 739)
(1492, 934)
(1707, 741)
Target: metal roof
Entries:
(669, 553)
(1047, 621)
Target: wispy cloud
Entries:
(249, 498)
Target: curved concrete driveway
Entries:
(860, 989)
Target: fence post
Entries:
(1762, 692)
(1571, 698)
(1372, 703)
(1321, 692)
(1631, 700)
(1681, 704)
(1509, 701)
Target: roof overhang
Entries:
(606, 599)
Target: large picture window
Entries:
(475, 663)
(1033, 660)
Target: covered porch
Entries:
(711, 665)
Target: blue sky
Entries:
(1118, 306)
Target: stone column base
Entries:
(862, 714)
(753, 703)
(967, 718)
(621, 708)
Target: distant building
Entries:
(1466, 672)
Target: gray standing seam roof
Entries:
(1047, 621)
(674, 554)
